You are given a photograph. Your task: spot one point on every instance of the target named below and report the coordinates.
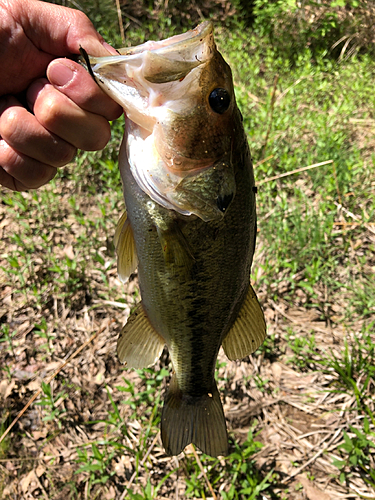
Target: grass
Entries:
(94, 431)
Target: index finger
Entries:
(71, 79)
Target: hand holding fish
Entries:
(43, 122)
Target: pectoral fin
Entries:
(125, 249)
(249, 330)
(139, 345)
(175, 248)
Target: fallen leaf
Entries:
(40, 434)
(6, 388)
(40, 470)
(276, 371)
(312, 492)
(27, 481)
(69, 252)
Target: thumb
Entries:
(58, 30)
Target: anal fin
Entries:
(248, 331)
(139, 345)
(198, 420)
(125, 248)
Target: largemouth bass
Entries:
(189, 226)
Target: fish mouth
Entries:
(159, 86)
(135, 77)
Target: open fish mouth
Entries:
(178, 100)
(136, 76)
(154, 61)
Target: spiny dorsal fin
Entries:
(139, 345)
(125, 248)
(249, 330)
(187, 419)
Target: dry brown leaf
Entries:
(40, 470)
(40, 434)
(6, 388)
(312, 492)
(69, 252)
(29, 483)
(111, 493)
(276, 371)
(34, 385)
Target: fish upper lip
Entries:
(173, 43)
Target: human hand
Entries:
(65, 113)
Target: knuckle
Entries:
(9, 124)
(81, 18)
(48, 111)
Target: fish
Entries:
(189, 226)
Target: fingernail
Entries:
(109, 48)
(60, 74)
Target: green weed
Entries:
(355, 367)
(6, 337)
(304, 349)
(51, 405)
(96, 465)
(357, 451)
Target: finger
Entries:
(26, 172)
(62, 117)
(24, 134)
(59, 30)
(10, 182)
(74, 81)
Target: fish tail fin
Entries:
(198, 420)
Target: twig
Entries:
(312, 459)
(113, 303)
(121, 24)
(355, 217)
(351, 224)
(38, 392)
(283, 94)
(337, 183)
(366, 496)
(134, 19)
(204, 473)
(25, 459)
(273, 99)
(286, 174)
(41, 486)
(141, 464)
(263, 161)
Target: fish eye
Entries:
(219, 100)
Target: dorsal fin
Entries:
(248, 331)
